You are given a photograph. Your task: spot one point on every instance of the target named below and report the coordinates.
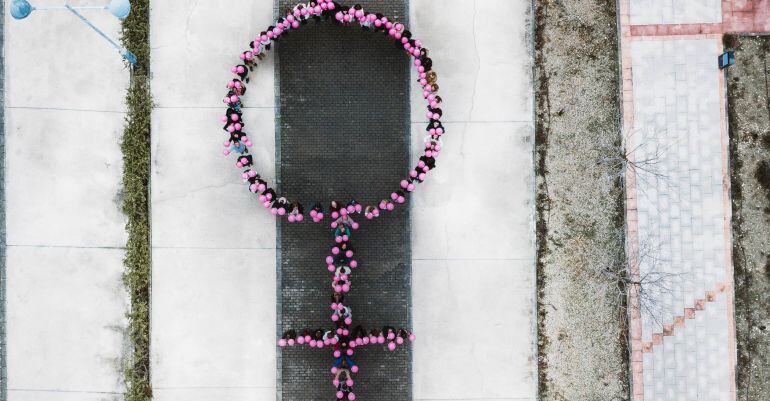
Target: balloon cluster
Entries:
(342, 338)
(238, 141)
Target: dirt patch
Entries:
(582, 341)
(749, 116)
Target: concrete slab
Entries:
(465, 336)
(198, 197)
(206, 394)
(65, 322)
(197, 43)
(3, 280)
(56, 61)
(21, 395)
(213, 321)
(484, 69)
(478, 202)
(80, 169)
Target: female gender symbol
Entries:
(341, 260)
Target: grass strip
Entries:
(136, 197)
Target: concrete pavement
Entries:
(214, 276)
(65, 232)
(473, 266)
(194, 203)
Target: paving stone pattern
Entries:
(644, 12)
(343, 132)
(690, 365)
(681, 216)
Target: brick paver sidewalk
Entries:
(683, 336)
(683, 228)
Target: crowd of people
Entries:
(342, 338)
(341, 263)
(239, 143)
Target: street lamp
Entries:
(21, 9)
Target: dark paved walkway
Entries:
(344, 124)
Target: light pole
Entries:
(21, 9)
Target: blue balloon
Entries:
(21, 9)
(119, 8)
